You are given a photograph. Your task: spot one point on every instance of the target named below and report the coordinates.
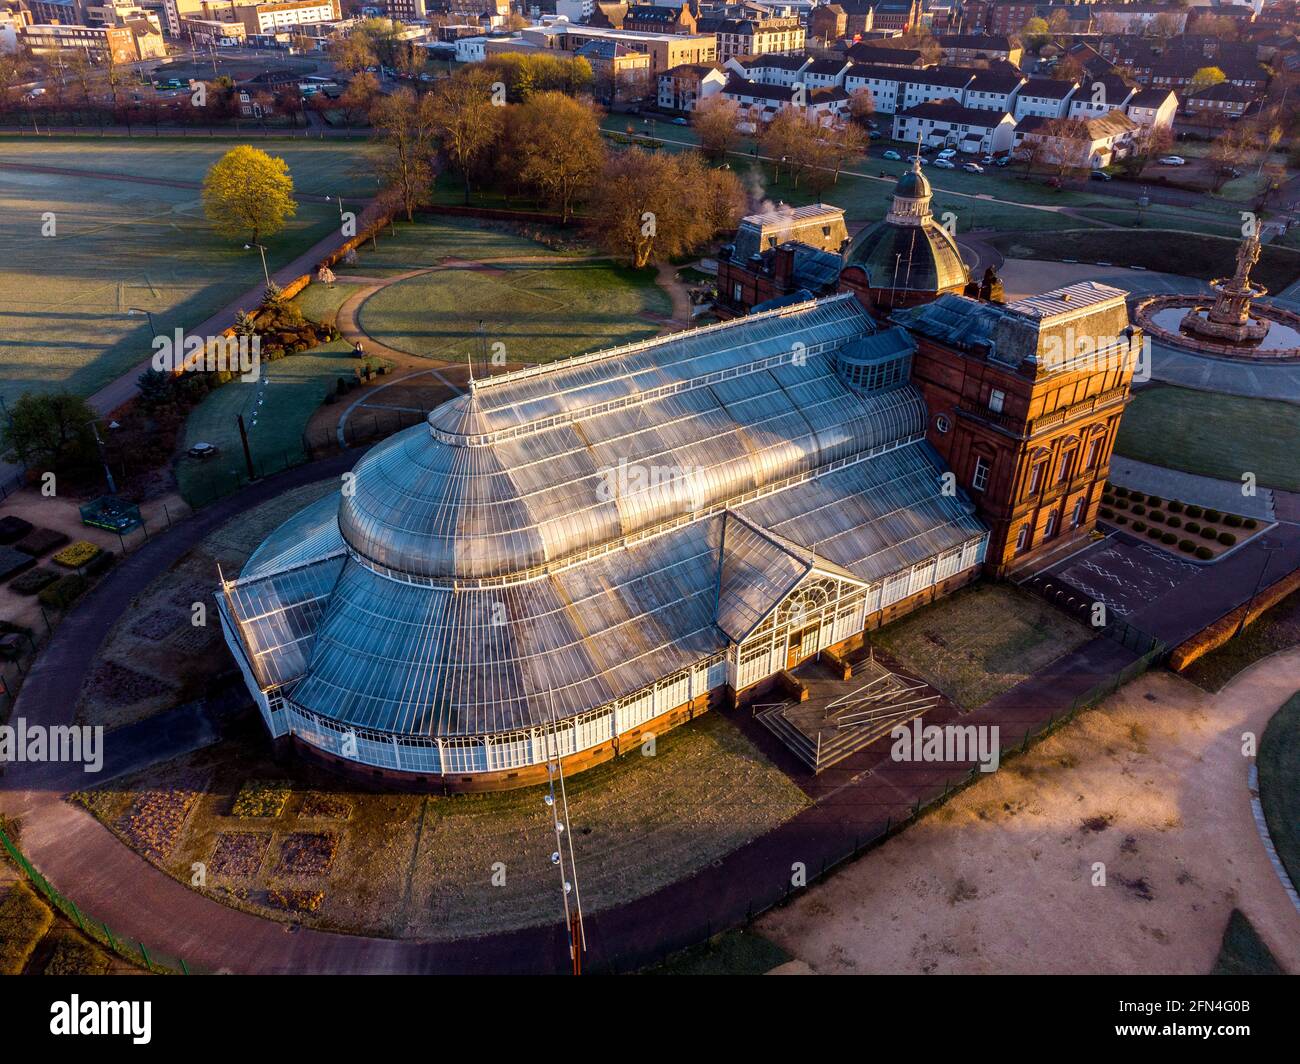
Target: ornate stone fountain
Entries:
(1230, 319)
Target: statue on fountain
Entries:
(1230, 319)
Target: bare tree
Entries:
(715, 121)
(405, 126)
(468, 119)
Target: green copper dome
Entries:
(916, 258)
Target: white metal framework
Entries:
(612, 536)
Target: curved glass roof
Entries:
(465, 588)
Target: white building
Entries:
(1044, 97)
(948, 124)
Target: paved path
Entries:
(1189, 487)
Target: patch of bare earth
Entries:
(1153, 785)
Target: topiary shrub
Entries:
(1157, 515)
(1139, 510)
(1209, 533)
(1232, 520)
(1194, 511)
(1193, 527)
(1176, 507)
(1175, 522)
(1139, 526)
(1186, 545)
(1204, 552)
(1227, 539)
(1120, 492)
(1213, 515)
(1155, 500)
(1168, 537)
(1250, 522)
(1154, 533)
(1109, 500)
(1105, 513)
(1121, 504)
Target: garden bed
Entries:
(1193, 532)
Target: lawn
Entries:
(1189, 254)
(276, 408)
(1276, 629)
(1212, 434)
(980, 642)
(730, 953)
(1279, 783)
(1243, 952)
(117, 245)
(538, 313)
(415, 866)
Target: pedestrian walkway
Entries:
(1225, 495)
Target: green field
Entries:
(539, 305)
(276, 409)
(1212, 434)
(64, 298)
(980, 642)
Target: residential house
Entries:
(969, 47)
(1098, 97)
(738, 37)
(993, 91)
(1044, 97)
(1153, 108)
(1223, 100)
(1094, 142)
(681, 88)
(949, 124)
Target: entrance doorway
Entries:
(801, 645)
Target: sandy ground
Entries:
(1154, 785)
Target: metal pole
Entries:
(248, 455)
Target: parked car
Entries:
(988, 160)
(1004, 161)
(948, 153)
(972, 168)
(891, 154)
(1172, 160)
(874, 134)
(1099, 175)
(918, 159)
(679, 121)
(944, 164)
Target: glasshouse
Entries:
(570, 555)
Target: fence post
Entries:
(146, 957)
(109, 935)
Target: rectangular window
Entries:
(1036, 478)
(996, 400)
(980, 478)
(1094, 452)
(1067, 465)
(1076, 518)
(1022, 539)
(735, 292)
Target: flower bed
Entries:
(239, 853)
(39, 541)
(117, 685)
(317, 806)
(307, 853)
(156, 818)
(291, 900)
(33, 581)
(76, 555)
(261, 798)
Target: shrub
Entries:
(1154, 500)
(24, 919)
(1121, 504)
(1139, 526)
(261, 798)
(76, 555)
(1227, 539)
(1232, 520)
(1250, 522)
(1213, 515)
(1154, 533)
(1193, 527)
(1120, 519)
(33, 580)
(1176, 507)
(1186, 545)
(1194, 511)
(1106, 513)
(1174, 522)
(64, 591)
(1139, 510)
(1157, 515)
(1204, 552)
(1168, 537)
(1209, 533)
(40, 540)
(1108, 499)
(1119, 492)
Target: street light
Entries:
(133, 311)
(1268, 548)
(262, 248)
(339, 201)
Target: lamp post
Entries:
(1268, 549)
(261, 248)
(133, 311)
(99, 446)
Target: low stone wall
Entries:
(1147, 307)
